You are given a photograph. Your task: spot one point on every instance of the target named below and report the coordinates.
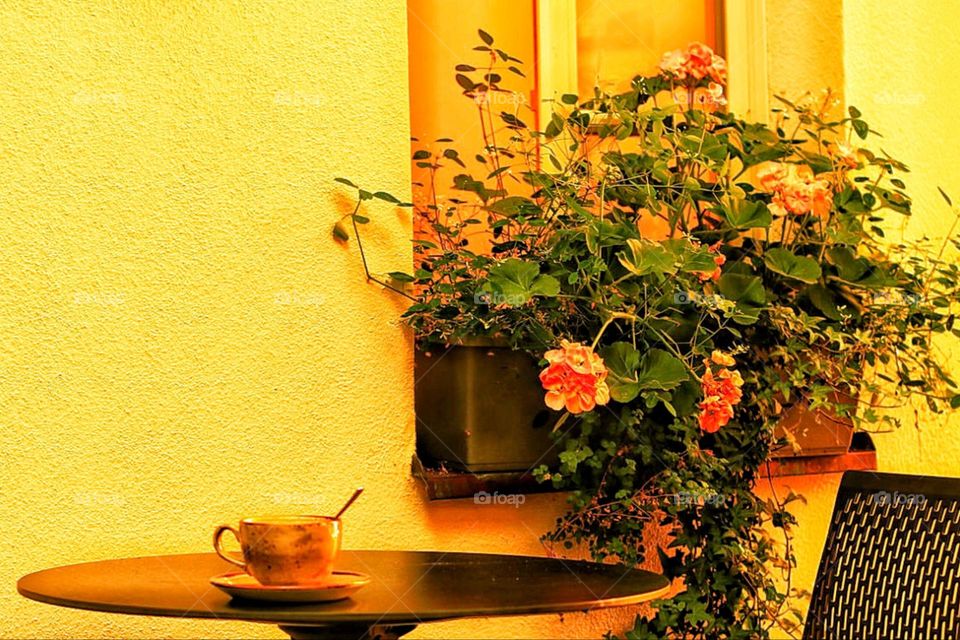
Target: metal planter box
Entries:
(480, 409)
(816, 432)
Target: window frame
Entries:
(745, 46)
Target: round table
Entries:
(407, 588)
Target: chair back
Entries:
(891, 562)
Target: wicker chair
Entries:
(891, 563)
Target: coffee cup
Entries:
(284, 550)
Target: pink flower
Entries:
(845, 156)
(795, 190)
(575, 378)
(673, 63)
(697, 62)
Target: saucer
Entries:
(338, 586)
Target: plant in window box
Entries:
(686, 276)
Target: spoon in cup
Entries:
(356, 494)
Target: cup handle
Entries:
(220, 552)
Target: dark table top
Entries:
(407, 587)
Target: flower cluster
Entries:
(718, 259)
(575, 378)
(795, 190)
(694, 64)
(721, 390)
(845, 156)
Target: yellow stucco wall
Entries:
(899, 57)
(894, 59)
(182, 344)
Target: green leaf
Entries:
(787, 264)
(512, 120)
(554, 127)
(660, 370)
(854, 112)
(340, 232)
(643, 257)
(857, 270)
(486, 37)
(747, 292)
(945, 196)
(465, 82)
(386, 197)
(569, 98)
(860, 127)
(823, 299)
(513, 205)
(747, 214)
(622, 360)
(451, 154)
(400, 276)
(517, 281)
(346, 182)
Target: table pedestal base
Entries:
(347, 631)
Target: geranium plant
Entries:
(684, 275)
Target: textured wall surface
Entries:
(895, 58)
(898, 56)
(804, 46)
(180, 341)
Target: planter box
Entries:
(817, 432)
(480, 408)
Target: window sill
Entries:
(444, 484)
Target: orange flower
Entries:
(722, 359)
(575, 378)
(714, 415)
(721, 390)
(725, 386)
